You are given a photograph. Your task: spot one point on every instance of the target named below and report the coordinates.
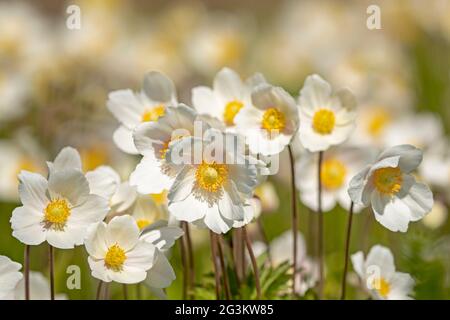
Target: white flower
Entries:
(9, 277)
(339, 165)
(228, 96)
(405, 131)
(379, 277)
(57, 211)
(437, 217)
(116, 253)
(211, 190)
(146, 211)
(131, 109)
(392, 190)
(281, 251)
(103, 181)
(435, 168)
(270, 122)
(153, 174)
(326, 118)
(39, 288)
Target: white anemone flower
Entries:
(227, 97)
(404, 131)
(9, 277)
(211, 190)
(131, 109)
(116, 253)
(389, 186)
(39, 288)
(58, 210)
(379, 277)
(146, 211)
(339, 166)
(103, 181)
(153, 174)
(326, 118)
(270, 123)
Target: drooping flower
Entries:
(339, 166)
(379, 277)
(9, 277)
(210, 189)
(389, 186)
(131, 109)
(116, 253)
(227, 98)
(57, 210)
(153, 174)
(326, 118)
(270, 122)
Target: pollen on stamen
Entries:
(232, 108)
(273, 119)
(211, 176)
(56, 214)
(324, 121)
(388, 180)
(153, 114)
(115, 258)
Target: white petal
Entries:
(228, 85)
(149, 178)
(315, 94)
(103, 181)
(95, 242)
(126, 107)
(401, 286)
(141, 256)
(381, 257)
(93, 210)
(161, 235)
(122, 231)
(161, 275)
(358, 263)
(189, 209)
(205, 102)
(410, 156)
(67, 158)
(70, 184)
(123, 138)
(124, 197)
(215, 222)
(32, 190)
(159, 87)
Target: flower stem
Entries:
(185, 266)
(294, 221)
(253, 260)
(216, 267)
(51, 260)
(264, 237)
(347, 249)
(190, 254)
(226, 282)
(320, 228)
(99, 290)
(27, 272)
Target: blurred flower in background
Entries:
(54, 85)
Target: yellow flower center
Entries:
(159, 198)
(56, 213)
(324, 121)
(142, 223)
(388, 180)
(153, 114)
(211, 176)
(115, 257)
(378, 122)
(382, 286)
(232, 108)
(273, 119)
(333, 174)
